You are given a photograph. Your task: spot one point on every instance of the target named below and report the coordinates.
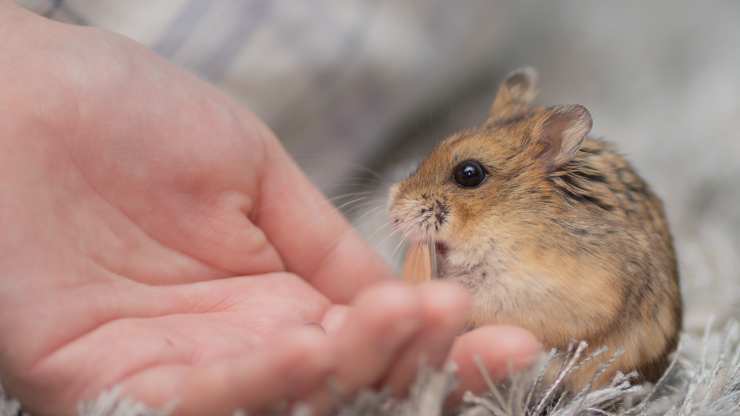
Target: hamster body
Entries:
(550, 230)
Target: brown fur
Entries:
(563, 237)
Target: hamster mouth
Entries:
(441, 248)
(439, 259)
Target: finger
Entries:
(285, 371)
(334, 318)
(502, 350)
(445, 309)
(293, 212)
(382, 321)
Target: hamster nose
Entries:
(441, 211)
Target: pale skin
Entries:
(156, 236)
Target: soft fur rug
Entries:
(703, 380)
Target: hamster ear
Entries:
(515, 93)
(560, 133)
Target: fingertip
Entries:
(393, 308)
(383, 322)
(445, 304)
(393, 298)
(512, 340)
(445, 313)
(334, 318)
(309, 350)
(502, 350)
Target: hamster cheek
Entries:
(463, 261)
(501, 297)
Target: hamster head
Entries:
(488, 186)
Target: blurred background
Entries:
(360, 90)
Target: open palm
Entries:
(156, 236)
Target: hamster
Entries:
(551, 230)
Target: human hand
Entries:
(156, 236)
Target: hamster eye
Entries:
(469, 174)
